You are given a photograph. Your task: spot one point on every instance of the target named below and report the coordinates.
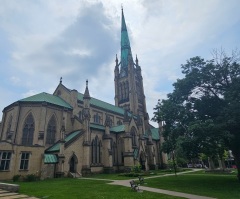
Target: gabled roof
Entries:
(118, 129)
(48, 98)
(155, 133)
(114, 129)
(50, 159)
(69, 138)
(103, 105)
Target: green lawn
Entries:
(213, 185)
(116, 176)
(79, 188)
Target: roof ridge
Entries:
(103, 101)
(46, 97)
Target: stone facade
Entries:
(70, 133)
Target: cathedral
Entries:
(69, 133)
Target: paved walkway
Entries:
(11, 195)
(162, 191)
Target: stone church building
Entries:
(73, 133)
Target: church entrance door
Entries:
(142, 161)
(72, 165)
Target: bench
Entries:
(134, 186)
(141, 179)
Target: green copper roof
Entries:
(155, 133)
(114, 129)
(104, 105)
(45, 97)
(50, 159)
(56, 146)
(97, 126)
(118, 129)
(125, 46)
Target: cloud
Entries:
(42, 41)
(79, 51)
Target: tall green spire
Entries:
(126, 53)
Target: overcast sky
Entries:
(43, 40)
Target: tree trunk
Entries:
(211, 164)
(174, 164)
(237, 161)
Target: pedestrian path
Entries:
(162, 191)
(11, 195)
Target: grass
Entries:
(81, 188)
(219, 186)
(212, 185)
(116, 176)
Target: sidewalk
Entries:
(162, 191)
(11, 195)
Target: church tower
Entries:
(129, 92)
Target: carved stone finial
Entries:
(86, 93)
(136, 60)
(60, 80)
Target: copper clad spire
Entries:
(125, 46)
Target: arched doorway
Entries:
(143, 160)
(73, 164)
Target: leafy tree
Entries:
(204, 107)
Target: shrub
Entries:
(31, 178)
(136, 169)
(131, 174)
(16, 178)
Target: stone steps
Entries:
(11, 195)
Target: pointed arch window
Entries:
(114, 152)
(120, 148)
(119, 122)
(9, 125)
(121, 92)
(96, 151)
(80, 115)
(127, 90)
(97, 119)
(134, 137)
(124, 90)
(28, 131)
(51, 131)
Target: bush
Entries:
(136, 169)
(131, 174)
(31, 178)
(16, 178)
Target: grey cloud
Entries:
(82, 48)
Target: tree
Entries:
(204, 107)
